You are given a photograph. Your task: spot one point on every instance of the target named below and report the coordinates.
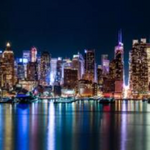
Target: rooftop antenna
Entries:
(120, 36)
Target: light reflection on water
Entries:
(81, 125)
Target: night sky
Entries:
(64, 27)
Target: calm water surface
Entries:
(84, 125)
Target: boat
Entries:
(65, 100)
(148, 100)
(6, 100)
(106, 100)
(25, 98)
(144, 99)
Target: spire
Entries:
(8, 46)
(120, 37)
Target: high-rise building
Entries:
(138, 68)
(8, 70)
(115, 77)
(33, 54)
(53, 71)
(66, 63)
(148, 61)
(99, 75)
(1, 68)
(105, 64)
(59, 70)
(78, 63)
(70, 78)
(45, 69)
(26, 58)
(20, 69)
(89, 65)
(85, 88)
(32, 71)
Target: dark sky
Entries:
(65, 26)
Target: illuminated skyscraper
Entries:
(33, 54)
(138, 68)
(89, 65)
(1, 68)
(26, 58)
(8, 63)
(32, 71)
(113, 81)
(119, 66)
(148, 61)
(105, 64)
(59, 70)
(45, 69)
(20, 69)
(66, 63)
(78, 63)
(99, 75)
(53, 70)
(70, 78)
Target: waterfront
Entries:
(83, 125)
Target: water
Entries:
(75, 126)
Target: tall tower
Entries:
(45, 68)
(90, 64)
(138, 65)
(78, 63)
(8, 66)
(33, 54)
(119, 57)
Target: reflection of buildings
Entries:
(138, 68)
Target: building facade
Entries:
(45, 69)
(8, 75)
(138, 69)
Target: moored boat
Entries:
(25, 98)
(106, 100)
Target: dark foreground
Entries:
(75, 126)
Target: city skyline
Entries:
(68, 54)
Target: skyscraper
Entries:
(89, 65)
(1, 68)
(32, 71)
(105, 64)
(45, 69)
(148, 61)
(70, 78)
(119, 66)
(78, 63)
(53, 71)
(33, 54)
(8, 63)
(138, 68)
(113, 81)
(59, 70)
